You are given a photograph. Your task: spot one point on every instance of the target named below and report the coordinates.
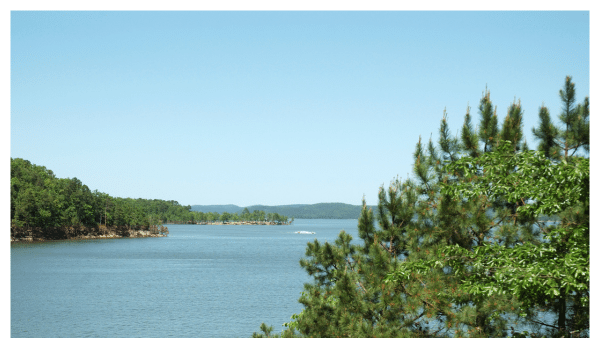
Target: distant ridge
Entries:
(230, 208)
(310, 211)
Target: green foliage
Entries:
(574, 136)
(546, 133)
(541, 274)
(488, 131)
(551, 274)
(512, 128)
(469, 137)
(461, 250)
(39, 201)
(259, 216)
(44, 206)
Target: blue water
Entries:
(201, 281)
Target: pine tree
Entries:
(412, 221)
(352, 295)
(557, 143)
(488, 130)
(512, 128)
(550, 275)
(469, 137)
(546, 133)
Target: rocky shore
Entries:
(241, 223)
(121, 232)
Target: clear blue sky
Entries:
(270, 108)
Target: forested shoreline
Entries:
(303, 211)
(45, 207)
(463, 248)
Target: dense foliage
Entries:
(244, 216)
(44, 206)
(461, 250)
(552, 275)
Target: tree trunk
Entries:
(562, 310)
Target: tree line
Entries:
(464, 248)
(245, 217)
(45, 206)
(319, 210)
(304, 211)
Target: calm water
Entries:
(201, 281)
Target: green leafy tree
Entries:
(44, 206)
(225, 217)
(395, 283)
(550, 275)
(413, 219)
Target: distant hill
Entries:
(310, 211)
(230, 208)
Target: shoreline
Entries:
(109, 235)
(240, 223)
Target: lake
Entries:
(200, 281)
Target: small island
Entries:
(257, 217)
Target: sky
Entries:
(271, 108)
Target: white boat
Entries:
(305, 232)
